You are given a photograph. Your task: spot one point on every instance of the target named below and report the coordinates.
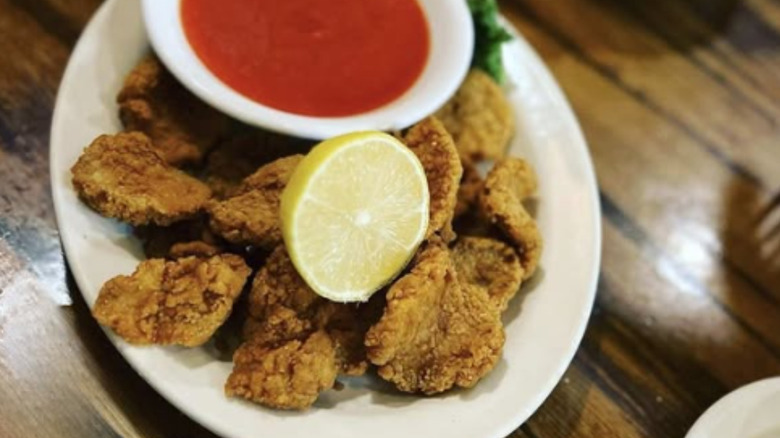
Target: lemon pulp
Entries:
(353, 214)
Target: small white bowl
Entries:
(452, 43)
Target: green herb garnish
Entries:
(489, 38)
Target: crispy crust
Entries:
(179, 302)
(283, 307)
(436, 332)
(182, 127)
(287, 375)
(122, 176)
(479, 118)
(511, 181)
(251, 217)
(490, 265)
(439, 157)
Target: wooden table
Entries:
(680, 101)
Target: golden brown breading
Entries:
(479, 118)
(182, 239)
(283, 307)
(179, 302)
(287, 375)
(490, 265)
(252, 216)
(278, 324)
(242, 154)
(436, 332)
(181, 127)
(511, 181)
(123, 177)
(284, 316)
(436, 151)
(468, 191)
(279, 294)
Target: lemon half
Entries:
(353, 214)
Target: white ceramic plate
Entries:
(749, 412)
(544, 326)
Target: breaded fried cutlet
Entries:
(507, 185)
(251, 217)
(285, 375)
(181, 127)
(180, 302)
(123, 177)
(282, 306)
(479, 118)
(491, 265)
(437, 332)
(434, 147)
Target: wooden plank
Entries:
(651, 391)
(62, 18)
(578, 407)
(711, 38)
(603, 36)
(651, 300)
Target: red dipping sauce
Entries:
(325, 58)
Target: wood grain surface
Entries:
(680, 102)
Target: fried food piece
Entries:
(439, 157)
(283, 307)
(490, 265)
(511, 181)
(182, 239)
(181, 127)
(122, 176)
(297, 342)
(287, 375)
(242, 154)
(272, 176)
(252, 216)
(281, 304)
(436, 332)
(180, 302)
(479, 118)
(468, 191)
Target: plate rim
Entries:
(563, 109)
(724, 405)
(559, 100)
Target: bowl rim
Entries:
(451, 32)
